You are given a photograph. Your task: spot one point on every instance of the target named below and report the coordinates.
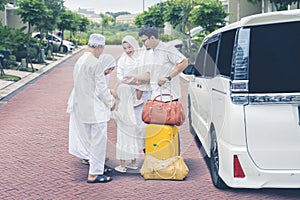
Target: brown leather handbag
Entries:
(160, 112)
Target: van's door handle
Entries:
(299, 114)
(199, 85)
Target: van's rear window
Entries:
(274, 65)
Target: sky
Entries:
(102, 6)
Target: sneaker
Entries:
(132, 166)
(138, 102)
(120, 169)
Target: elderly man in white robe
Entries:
(92, 104)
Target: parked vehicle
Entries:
(244, 101)
(66, 46)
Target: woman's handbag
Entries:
(173, 168)
(160, 112)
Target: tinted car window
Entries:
(199, 64)
(225, 53)
(210, 61)
(274, 63)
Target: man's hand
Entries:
(162, 81)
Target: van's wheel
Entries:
(214, 163)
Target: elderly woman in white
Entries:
(131, 63)
(90, 104)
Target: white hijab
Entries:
(125, 113)
(107, 61)
(132, 41)
(129, 63)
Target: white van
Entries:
(244, 101)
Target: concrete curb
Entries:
(13, 86)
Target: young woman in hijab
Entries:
(131, 63)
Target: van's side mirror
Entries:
(191, 70)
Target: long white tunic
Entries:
(89, 107)
(126, 147)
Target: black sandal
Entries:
(100, 179)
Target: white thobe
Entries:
(89, 106)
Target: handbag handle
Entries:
(170, 107)
(160, 95)
(170, 177)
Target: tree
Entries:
(178, 13)
(35, 13)
(66, 19)
(106, 20)
(75, 26)
(154, 16)
(209, 14)
(56, 6)
(83, 25)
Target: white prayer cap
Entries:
(96, 40)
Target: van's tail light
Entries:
(239, 85)
(237, 168)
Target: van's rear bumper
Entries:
(254, 176)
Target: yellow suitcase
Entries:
(162, 141)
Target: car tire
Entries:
(63, 49)
(214, 163)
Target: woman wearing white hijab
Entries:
(131, 63)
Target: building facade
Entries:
(126, 19)
(238, 9)
(9, 16)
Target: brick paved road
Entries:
(35, 163)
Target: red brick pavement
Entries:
(35, 163)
